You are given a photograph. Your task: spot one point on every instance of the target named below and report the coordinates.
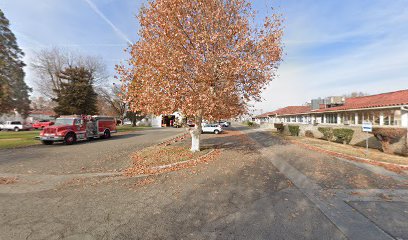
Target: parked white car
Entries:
(211, 128)
(15, 126)
(224, 123)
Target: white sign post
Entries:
(367, 127)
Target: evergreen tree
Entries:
(77, 95)
(14, 92)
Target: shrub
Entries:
(388, 135)
(294, 130)
(343, 135)
(309, 134)
(250, 124)
(327, 133)
(280, 127)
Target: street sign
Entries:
(367, 127)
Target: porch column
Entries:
(356, 118)
(381, 118)
(338, 118)
(404, 118)
(324, 118)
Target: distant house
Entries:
(12, 116)
(263, 118)
(386, 109)
(290, 114)
(166, 120)
(36, 115)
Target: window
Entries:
(16, 123)
(360, 118)
(77, 121)
(63, 121)
(331, 118)
(386, 120)
(352, 118)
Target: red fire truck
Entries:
(70, 129)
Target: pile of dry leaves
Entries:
(8, 180)
(171, 155)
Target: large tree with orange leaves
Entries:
(205, 58)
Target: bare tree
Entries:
(112, 101)
(41, 103)
(355, 94)
(49, 63)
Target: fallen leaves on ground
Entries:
(170, 155)
(138, 169)
(389, 166)
(8, 180)
(144, 182)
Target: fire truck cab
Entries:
(70, 129)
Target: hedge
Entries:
(309, 134)
(387, 135)
(280, 127)
(294, 130)
(327, 133)
(343, 135)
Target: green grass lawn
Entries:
(9, 139)
(129, 128)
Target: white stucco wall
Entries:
(404, 118)
(157, 121)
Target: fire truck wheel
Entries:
(106, 134)
(47, 142)
(70, 139)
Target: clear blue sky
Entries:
(331, 47)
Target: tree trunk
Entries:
(196, 134)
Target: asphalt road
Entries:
(90, 156)
(260, 187)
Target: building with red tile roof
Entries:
(385, 109)
(390, 99)
(291, 110)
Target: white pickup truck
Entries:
(14, 125)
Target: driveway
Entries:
(260, 187)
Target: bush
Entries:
(327, 133)
(280, 127)
(250, 124)
(343, 135)
(309, 134)
(388, 135)
(294, 130)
